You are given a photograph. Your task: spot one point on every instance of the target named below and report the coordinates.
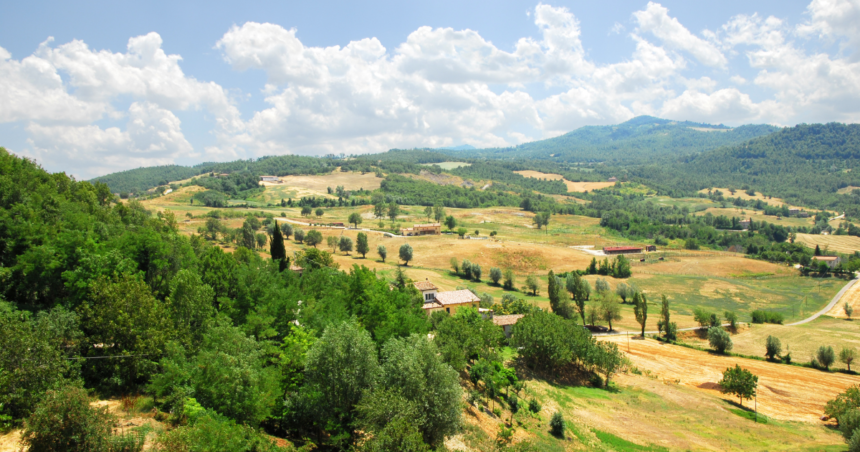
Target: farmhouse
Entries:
(507, 322)
(745, 224)
(651, 248)
(428, 290)
(797, 212)
(273, 179)
(622, 250)
(831, 261)
(612, 179)
(422, 229)
(451, 301)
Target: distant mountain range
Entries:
(462, 147)
(633, 141)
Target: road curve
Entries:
(818, 314)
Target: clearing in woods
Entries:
(572, 187)
(757, 216)
(743, 195)
(789, 393)
(448, 165)
(839, 243)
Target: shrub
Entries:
(556, 424)
(732, 318)
(497, 411)
(514, 403)
(705, 318)
(772, 348)
(848, 400)
(759, 316)
(65, 422)
(534, 406)
(213, 432)
(719, 339)
(825, 356)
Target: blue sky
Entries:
(97, 87)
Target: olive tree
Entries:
(719, 339)
(773, 347)
(495, 275)
(383, 253)
(406, 253)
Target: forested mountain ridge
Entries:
(805, 165)
(629, 142)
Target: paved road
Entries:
(806, 320)
(829, 305)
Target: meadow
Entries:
(836, 243)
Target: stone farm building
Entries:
(446, 301)
(422, 229)
(831, 261)
(612, 179)
(273, 179)
(612, 250)
(507, 322)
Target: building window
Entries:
(448, 310)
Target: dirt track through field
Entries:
(784, 392)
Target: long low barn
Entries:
(622, 249)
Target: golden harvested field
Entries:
(573, 187)
(852, 298)
(742, 195)
(839, 243)
(846, 190)
(758, 216)
(787, 393)
(319, 183)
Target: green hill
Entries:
(629, 142)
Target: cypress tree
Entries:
(278, 250)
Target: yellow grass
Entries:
(757, 216)
(846, 190)
(320, 183)
(852, 298)
(839, 243)
(573, 187)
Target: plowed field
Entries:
(784, 392)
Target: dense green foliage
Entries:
(740, 382)
(65, 422)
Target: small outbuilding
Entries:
(507, 322)
(612, 250)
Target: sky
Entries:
(95, 87)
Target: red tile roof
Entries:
(425, 285)
(504, 320)
(825, 258)
(621, 248)
(456, 297)
(431, 305)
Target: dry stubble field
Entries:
(839, 243)
(572, 187)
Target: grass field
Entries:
(847, 190)
(839, 243)
(572, 187)
(743, 195)
(758, 216)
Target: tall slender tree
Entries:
(640, 309)
(277, 248)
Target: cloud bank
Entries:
(90, 112)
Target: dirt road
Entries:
(784, 392)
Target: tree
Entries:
(740, 382)
(462, 232)
(428, 212)
(621, 267)
(558, 297)
(299, 235)
(320, 213)
(825, 356)
(601, 286)
(664, 325)
(306, 210)
(495, 275)
(542, 219)
(355, 219)
(438, 212)
(610, 309)
(817, 251)
(287, 230)
(190, 307)
(249, 238)
(719, 339)
(510, 280)
(732, 318)
(640, 309)
(361, 245)
(450, 222)
(848, 310)
(331, 241)
(406, 253)
(389, 421)
(383, 253)
(608, 359)
(340, 367)
(393, 211)
(550, 342)
(579, 290)
(772, 348)
(261, 240)
(623, 291)
(532, 284)
(556, 424)
(847, 356)
(414, 367)
(65, 422)
(313, 238)
(213, 228)
(378, 209)
(123, 312)
(476, 272)
(593, 313)
(345, 244)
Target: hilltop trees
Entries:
(579, 290)
(558, 297)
